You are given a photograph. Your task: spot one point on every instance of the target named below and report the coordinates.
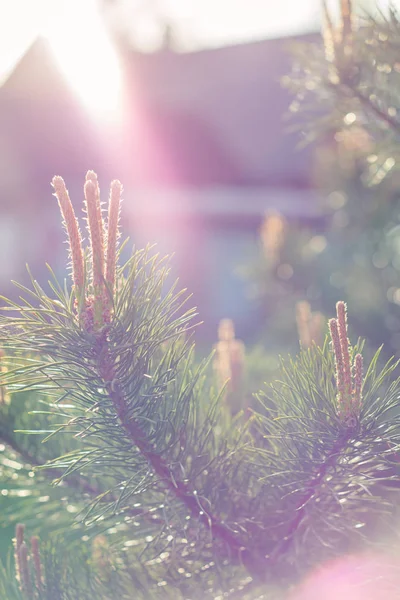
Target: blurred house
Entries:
(202, 150)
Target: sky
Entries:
(197, 23)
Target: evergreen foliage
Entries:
(119, 451)
(346, 102)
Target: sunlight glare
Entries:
(84, 53)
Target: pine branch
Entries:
(110, 366)
(238, 548)
(334, 470)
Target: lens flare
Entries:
(364, 577)
(84, 52)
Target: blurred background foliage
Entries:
(354, 253)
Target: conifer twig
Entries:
(25, 576)
(344, 347)
(91, 176)
(19, 538)
(95, 222)
(107, 372)
(348, 378)
(349, 404)
(74, 235)
(112, 232)
(36, 561)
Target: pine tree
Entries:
(144, 485)
(126, 477)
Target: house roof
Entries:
(213, 117)
(231, 98)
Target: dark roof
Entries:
(203, 118)
(233, 95)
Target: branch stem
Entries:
(301, 510)
(255, 565)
